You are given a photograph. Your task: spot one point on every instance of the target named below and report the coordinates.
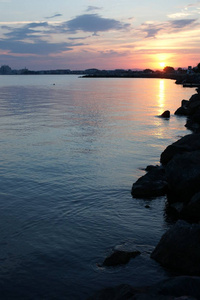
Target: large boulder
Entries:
(188, 143)
(193, 121)
(183, 176)
(191, 211)
(179, 249)
(152, 184)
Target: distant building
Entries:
(190, 70)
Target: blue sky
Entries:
(80, 34)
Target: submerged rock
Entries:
(179, 249)
(119, 258)
(152, 184)
(165, 114)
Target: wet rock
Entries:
(185, 103)
(188, 143)
(189, 107)
(193, 121)
(123, 291)
(179, 249)
(165, 114)
(194, 98)
(152, 184)
(183, 176)
(181, 111)
(176, 288)
(119, 258)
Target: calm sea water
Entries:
(70, 150)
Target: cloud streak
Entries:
(54, 16)
(152, 29)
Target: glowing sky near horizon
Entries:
(81, 34)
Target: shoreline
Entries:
(178, 251)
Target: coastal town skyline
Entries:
(99, 34)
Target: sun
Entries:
(162, 64)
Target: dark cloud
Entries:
(90, 8)
(26, 31)
(94, 23)
(152, 32)
(29, 38)
(182, 23)
(38, 48)
(15, 41)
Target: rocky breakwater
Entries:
(191, 109)
(177, 177)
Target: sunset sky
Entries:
(81, 34)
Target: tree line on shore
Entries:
(167, 71)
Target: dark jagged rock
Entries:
(165, 114)
(183, 176)
(119, 258)
(181, 111)
(152, 184)
(188, 108)
(188, 143)
(179, 249)
(193, 121)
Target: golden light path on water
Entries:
(161, 99)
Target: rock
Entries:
(165, 114)
(180, 286)
(123, 291)
(189, 107)
(151, 167)
(184, 103)
(183, 176)
(188, 143)
(119, 258)
(176, 288)
(191, 211)
(195, 97)
(152, 184)
(193, 121)
(181, 111)
(179, 249)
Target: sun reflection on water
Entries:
(161, 95)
